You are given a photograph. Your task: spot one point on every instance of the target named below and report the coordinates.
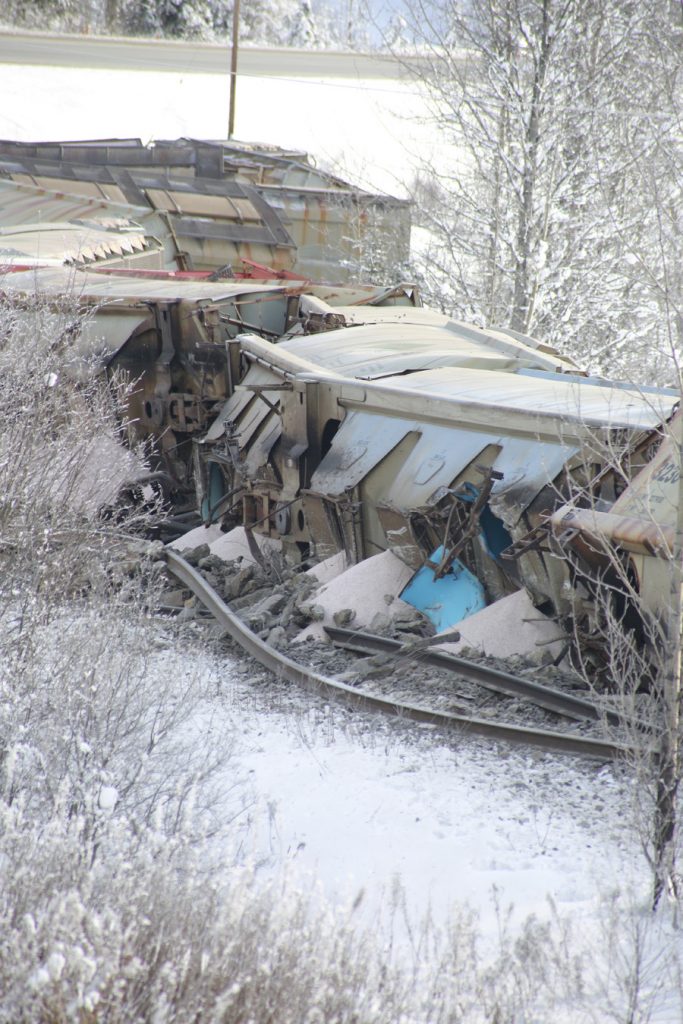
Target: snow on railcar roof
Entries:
(583, 400)
(417, 339)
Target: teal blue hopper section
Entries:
(448, 600)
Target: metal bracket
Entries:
(531, 541)
(258, 390)
(477, 500)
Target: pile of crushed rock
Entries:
(289, 606)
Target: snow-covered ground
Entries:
(364, 129)
(362, 804)
(355, 802)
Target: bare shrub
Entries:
(94, 719)
(111, 908)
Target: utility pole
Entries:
(233, 65)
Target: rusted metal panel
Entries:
(271, 207)
(330, 227)
(652, 497)
(323, 520)
(599, 529)
(643, 517)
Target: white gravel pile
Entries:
(328, 570)
(368, 590)
(229, 546)
(233, 545)
(195, 538)
(508, 627)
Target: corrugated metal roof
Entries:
(71, 242)
(254, 203)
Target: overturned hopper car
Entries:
(622, 545)
(351, 418)
(174, 335)
(210, 204)
(448, 445)
(339, 417)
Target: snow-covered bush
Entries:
(110, 907)
(113, 905)
(93, 716)
(551, 202)
(144, 935)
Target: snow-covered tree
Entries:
(545, 108)
(262, 22)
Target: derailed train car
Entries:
(626, 550)
(353, 419)
(346, 417)
(211, 205)
(406, 431)
(173, 336)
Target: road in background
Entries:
(360, 115)
(100, 52)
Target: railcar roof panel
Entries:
(583, 401)
(111, 286)
(382, 349)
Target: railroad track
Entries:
(284, 667)
(563, 704)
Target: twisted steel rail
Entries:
(284, 667)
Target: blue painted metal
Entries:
(448, 600)
(494, 535)
(215, 491)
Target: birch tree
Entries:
(542, 106)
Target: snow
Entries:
(108, 798)
(363, 129)
(340, 797)
(366, 806)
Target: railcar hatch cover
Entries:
(448, 600)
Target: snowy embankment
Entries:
(368, 131)
(366, 804)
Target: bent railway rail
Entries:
(563, 704)
(284, 667)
